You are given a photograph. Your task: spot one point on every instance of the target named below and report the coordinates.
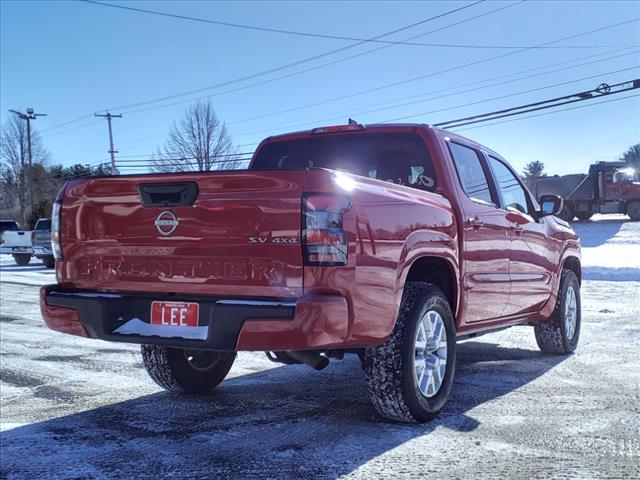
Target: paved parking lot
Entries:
(78, 408)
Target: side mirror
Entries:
(550, 205)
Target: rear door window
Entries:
(400, 158)
(473, 177)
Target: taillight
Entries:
(324, 241)
(56, 246)
(33, 237)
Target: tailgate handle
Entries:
(168, 194)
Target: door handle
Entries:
(517, 229)
(475, 222)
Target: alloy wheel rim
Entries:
(571, 313)
(430, 353)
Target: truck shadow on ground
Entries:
(287, 422)
(593, 234)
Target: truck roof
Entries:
(369, 128)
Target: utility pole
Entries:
(113, 152)
(30, 115)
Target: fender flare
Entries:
(424, 243)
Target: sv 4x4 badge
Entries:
(264, 240)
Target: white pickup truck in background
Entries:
(23, 244)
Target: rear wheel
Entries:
(410, 375)
(559, 334)
(567, 212)
(584, 216)
(633, 210)
(22, 259)
(176, 369)
(49, 261)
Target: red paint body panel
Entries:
(321, 322)
(65, 320)
(241, 239)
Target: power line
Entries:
(446, 89)
(78, 127)
(331, 52)
(64, 124)
(549, 113)
(327, 36)
(323, 65)
(389, 85)
(299, 62)
(121, 159)
(501, 97)
(150, 165)
(438, 97)
(433, 97)
(601, 91)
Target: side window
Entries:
(472, 175)
(513, 194)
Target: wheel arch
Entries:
(439, 272)
(573, 263)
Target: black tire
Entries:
(633, 210)
(551, 334)
(22, 259)
(172, 370)
(567, 213)
(584, 216)
(49, 261)
(389, 368)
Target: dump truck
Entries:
(609, 187)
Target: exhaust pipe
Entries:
(314, 360)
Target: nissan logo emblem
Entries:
(166, 222)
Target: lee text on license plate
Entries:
(177, 314)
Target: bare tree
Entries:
(198, 142)
(14, 161)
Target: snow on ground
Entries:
(80, 408)
(610, 248)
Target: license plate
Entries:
(177, 314)
(20, 249)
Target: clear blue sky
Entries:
(70, 59)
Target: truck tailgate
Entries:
(240, 236)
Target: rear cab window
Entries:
(43, 225)
(400, 158)
(8, 226)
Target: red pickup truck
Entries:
(388, 241)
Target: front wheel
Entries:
(176, 369)
(584, 216)
(559, 333)
(22, 259)
(567, 213)
(633, 210)
(410, 375)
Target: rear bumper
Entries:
(16, 250)
(38, 251)
(41, 251)
(309, 322)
